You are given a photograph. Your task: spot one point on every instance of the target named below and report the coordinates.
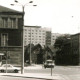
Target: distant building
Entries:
(10, 34)
(37, 35)
(75, 48)
(54, 36)
(48, 36)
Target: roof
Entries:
(76, 34)
(34, 26)
(5, 9)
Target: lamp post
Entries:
(23, 6)
(30, 60)
(6, 53)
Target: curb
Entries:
(44, 77)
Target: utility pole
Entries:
(6, 53)
(23, 6)
(30, 47)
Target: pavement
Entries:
(35, 75)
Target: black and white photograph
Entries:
(39, 39)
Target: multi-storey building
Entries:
(37, 35)
(54, 37)
(48, 36)
(10, 34)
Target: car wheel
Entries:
(2, 70)
(16, 71)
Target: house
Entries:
(10, 35)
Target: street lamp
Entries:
(23, 6)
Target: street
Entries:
(69, 72)
(66, 72)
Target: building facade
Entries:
(37, 35)
(48, 37)
(10, 34)
(54, 36)
(75, 48)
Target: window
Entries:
(4, 39)
(13, 22)
(9, 22)
(5, 22)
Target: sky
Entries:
(62, 16)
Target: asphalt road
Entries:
(68, 72)
(65, 70)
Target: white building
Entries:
(35, 35)
(54, 37)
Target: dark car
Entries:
(49, 64)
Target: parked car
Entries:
(10, 68)
(49, 64)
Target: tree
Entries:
(27, 52)
(37, 52)
(61, 41)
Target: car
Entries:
(49, 64)
(9, 68)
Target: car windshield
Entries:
(49, 62)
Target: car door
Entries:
(9, 67)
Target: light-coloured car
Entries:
(9, 68)
(49, 64)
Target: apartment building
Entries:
(48, 36)
(37, 35)
(54, 37)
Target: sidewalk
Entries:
(36, 76)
